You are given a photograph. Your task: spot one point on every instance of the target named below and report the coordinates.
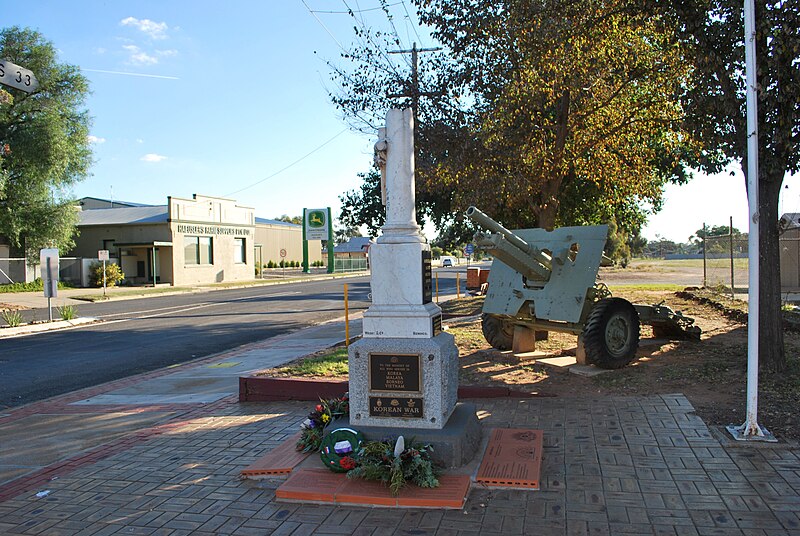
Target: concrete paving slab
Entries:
(587, 370)
(151, 399)
(561, 362)
(175, 385)
(28, 329)
(10, 472)
(39, 440)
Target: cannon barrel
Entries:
(511, 249)
(488, 223)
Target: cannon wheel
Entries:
(611, 334)
(497, 332)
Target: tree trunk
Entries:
(771, 353)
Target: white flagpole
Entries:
(750, 430)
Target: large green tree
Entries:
(544, 112)
(712, 36)
(46, 147)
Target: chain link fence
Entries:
(725, 264)
(349, 265)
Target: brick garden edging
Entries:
(267, 389)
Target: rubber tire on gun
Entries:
(611, 333)
(497, 331)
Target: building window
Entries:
(239, 256)
(197, 250)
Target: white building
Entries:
(187, 241)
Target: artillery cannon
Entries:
(545, 280)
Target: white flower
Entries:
(307, 424)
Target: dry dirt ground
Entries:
(710, 372)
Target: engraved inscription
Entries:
(427, 278)
(387, 406)
(436, 325)
(391, 372)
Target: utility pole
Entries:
(414, 92)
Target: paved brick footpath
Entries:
(644, 465)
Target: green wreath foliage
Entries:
(344, 461)
(376, 461)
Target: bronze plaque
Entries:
(391, 406)
(395, 372)
(427, 278)
(436, 325)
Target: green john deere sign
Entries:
(316, 222)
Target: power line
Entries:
(413, 26)
(354, 10)
(368, 34)
(313, 14)
(290, 165)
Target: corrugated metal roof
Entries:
(356, 244)
(266, 221)
(122, 216)
(115, 202)
(791, 220)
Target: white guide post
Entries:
(751, 430)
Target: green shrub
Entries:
(34, 286)
(68, 312)
(113, 274)
(271, 264)
(12, 318)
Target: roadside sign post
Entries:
(283, 263)
(317, 225)
(346, 319)
(103, 255)
(468, 250)
(49, 266)
(13, 75)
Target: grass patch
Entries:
(12, 318)
(34, 286)
(132, 293)
(68, 312)
(657, 264)
(466, 306)
(468, 336)
(646, 287)
(331, 363)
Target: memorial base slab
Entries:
(455, 445)
(403, 383)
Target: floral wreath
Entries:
(339, 448)
(313, 428)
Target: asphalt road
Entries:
(146, 334)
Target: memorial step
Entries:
(513, 459)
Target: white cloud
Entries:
(138, 56)
(96, 139)
(167, 53)
(153, 157)
(156, 30)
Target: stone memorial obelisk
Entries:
(404, 370)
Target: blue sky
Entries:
(227, 94)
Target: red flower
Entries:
(319, 407)
(347, 463)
